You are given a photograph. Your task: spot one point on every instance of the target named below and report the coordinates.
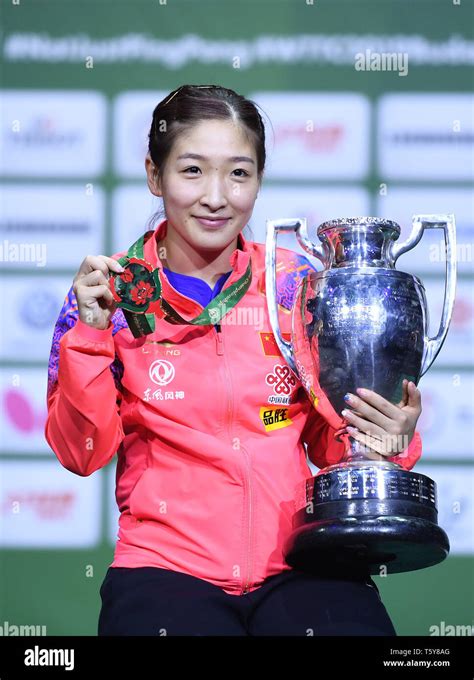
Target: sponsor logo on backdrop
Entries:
(23, 409)
(426, 136)
(22, 414)
(63, 223)
(458, 347)
(43, 505)
(325, 138)
(317, 136)
(47, 133)
(41, 312)
(31, 318)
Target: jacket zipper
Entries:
(247, 582)
(230, 404)
(220, 343)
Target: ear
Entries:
(153, 180)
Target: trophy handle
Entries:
(273, 227)
(446, 222)
(308, 245)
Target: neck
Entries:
(182, 259)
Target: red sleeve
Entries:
(411, 455)
(324, 450)
(83, 425)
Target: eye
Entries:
(195, 167)
(246, 174)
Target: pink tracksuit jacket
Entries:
(209, 427)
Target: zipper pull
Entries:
(220, 342)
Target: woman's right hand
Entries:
(91, 287)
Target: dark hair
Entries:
(190, 104)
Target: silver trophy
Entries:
(362, 323)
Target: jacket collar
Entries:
(238, 260)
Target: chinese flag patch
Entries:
(269, 344)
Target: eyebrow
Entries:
(234, 159)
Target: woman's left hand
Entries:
(384, 427)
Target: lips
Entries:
(212, 222)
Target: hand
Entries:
(382, 426)
(91, 287)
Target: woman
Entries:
(207, 420)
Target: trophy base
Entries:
(366, 516)
(372, 545)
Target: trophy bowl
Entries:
(361, 323)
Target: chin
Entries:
(214, 240)
(215, 245)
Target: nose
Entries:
(214, 195)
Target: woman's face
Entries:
(211, 172)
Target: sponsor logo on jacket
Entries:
(275, 417)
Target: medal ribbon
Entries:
(138, 291)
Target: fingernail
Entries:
(362, 391)
(347, 397)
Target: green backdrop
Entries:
(54, 587)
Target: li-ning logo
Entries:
(161, 372)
